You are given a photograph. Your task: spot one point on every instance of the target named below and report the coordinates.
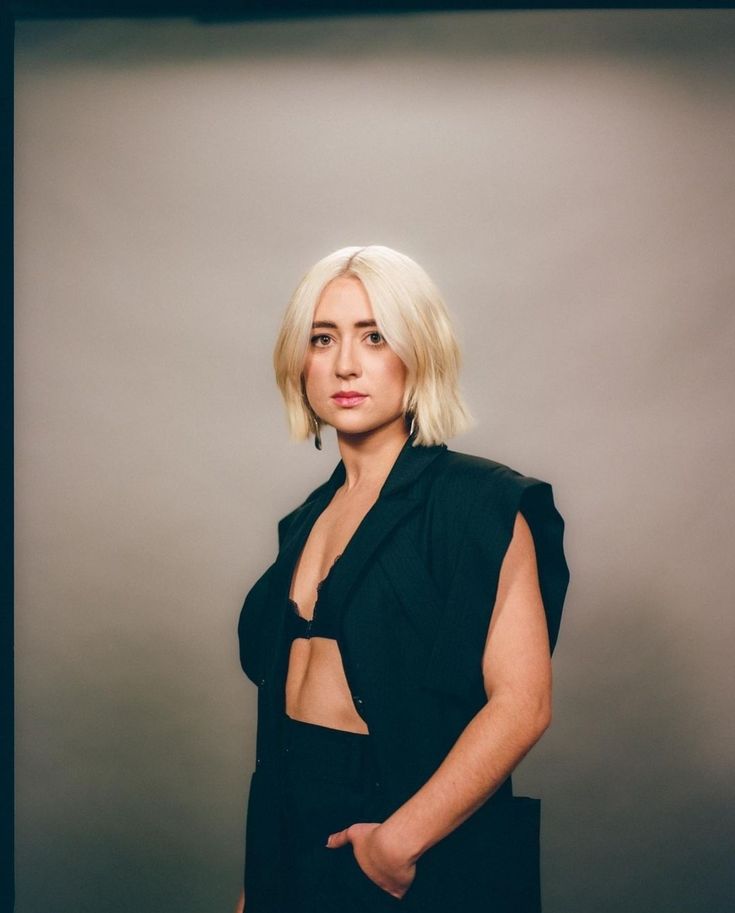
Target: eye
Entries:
(320, 336)
(380, 341)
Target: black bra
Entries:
(324, 621)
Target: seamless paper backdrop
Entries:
(567, 179)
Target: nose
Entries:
(347, 363)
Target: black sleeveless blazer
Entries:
(416, 585)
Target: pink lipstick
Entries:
(349, 398)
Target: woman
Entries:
(401, 641)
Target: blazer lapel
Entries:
(394, 502)
(377, 525)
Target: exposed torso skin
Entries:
(316, 687)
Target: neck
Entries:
(369, 457)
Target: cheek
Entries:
(314, 372)
(395, 372)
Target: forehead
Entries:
(343, 295)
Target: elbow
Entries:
(539, 716)
(530, 711)
(543, 719)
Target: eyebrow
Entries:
(331, 325)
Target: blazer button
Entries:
(357, 699)
(261, 682)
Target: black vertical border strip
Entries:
(7, 665)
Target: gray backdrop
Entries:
(567, 179)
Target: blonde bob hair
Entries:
(413, 319)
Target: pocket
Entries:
(362, 886)
(527, 856)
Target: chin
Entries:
(354, 429)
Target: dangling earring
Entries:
(413, 424)
(317, 435)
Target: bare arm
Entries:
(517, 675)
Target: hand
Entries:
(390, 869)
(240, 908)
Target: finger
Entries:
(340, 838)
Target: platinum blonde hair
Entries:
(413, 319)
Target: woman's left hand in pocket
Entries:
(382, 863)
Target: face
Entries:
(347, 354)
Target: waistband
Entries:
(323, 752)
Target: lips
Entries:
(349, 399)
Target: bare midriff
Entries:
(316, 686)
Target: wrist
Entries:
(399, 842)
